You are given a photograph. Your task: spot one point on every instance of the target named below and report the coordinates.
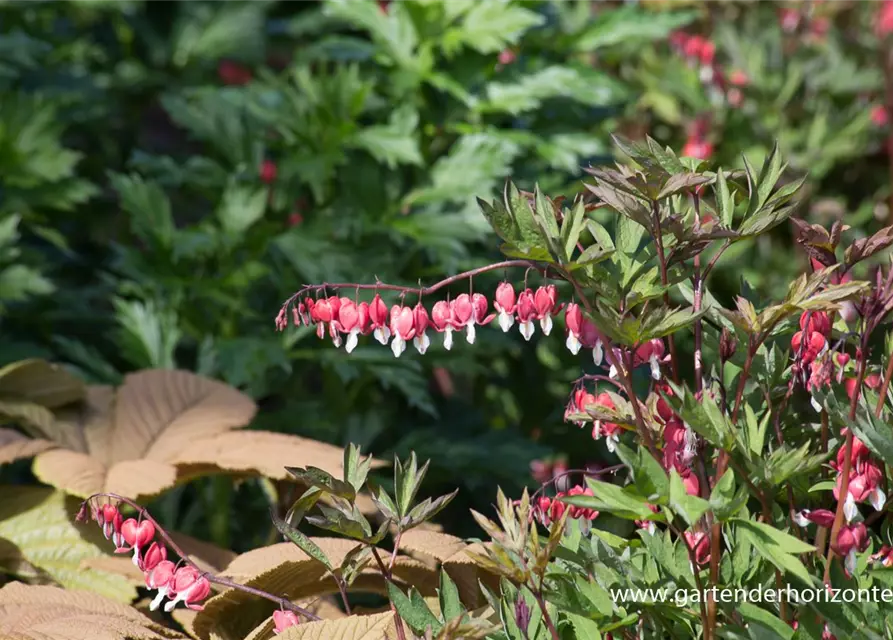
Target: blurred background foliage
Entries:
(170, 172)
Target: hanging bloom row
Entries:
(181, 583)
(344, 320)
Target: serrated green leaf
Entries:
(304, 543)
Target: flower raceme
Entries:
(184, 584)
(344, 319)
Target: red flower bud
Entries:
(268, 172)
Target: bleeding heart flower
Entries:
(441, 320)
(188, 586)
(545, 301)
(155, 554)
(378, 315)
(526, 313)
(505, 305)
(282, 620)
(160, 578)
(110, 520)
(421, 321)
(821, 517)
(699, 542)
(402, 328)
(137, 535)
(851, 538)
(350, 321)
(652, 352)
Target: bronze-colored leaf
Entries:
(161, 427)
(15, 446)
(44, 613)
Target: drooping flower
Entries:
(378, 316)
(821, 517)
(462, 315)
(136, 535)
(352, 320)
(188, 586)
(160, 578)
(505, 303)
(282, 620)
(110, 520)
(421, 321)
(611, 430)
(402, 328)
(652, 352)
(526, 310)
(545, 300)
(155, 554)
(851, 539)
(699, 542)
(441, 320)
(648, 525)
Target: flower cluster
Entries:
(184, 583)
(722, 84)
(344, 319)
(865, 478)
(582, 402)
(548, 510)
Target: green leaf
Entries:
(531, 234)
(725, 502)
(649, 477)
(572, 226)
(211, 33)
(629, 235)
(148, 208)
(356, 469)
(876, 433)
(584, 628)
(610, 497)
(631, 26)
(426, 510)
(395, 143)
(778, 547)
(315, 477)
(490, 27)
(691, 508)
(450, 604)
(725, 200)
(407, 480)
(303, 542)
(414, 612)
(240, 207)
(763, 618)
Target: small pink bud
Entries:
(283, 620)
(699, 542)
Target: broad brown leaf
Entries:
(50, 613)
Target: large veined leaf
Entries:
(431, 544)
(44, 613)
(372, 627)
(29, 390)
(286, 570)
(13, 446)
(37, 521)
(158, 428)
